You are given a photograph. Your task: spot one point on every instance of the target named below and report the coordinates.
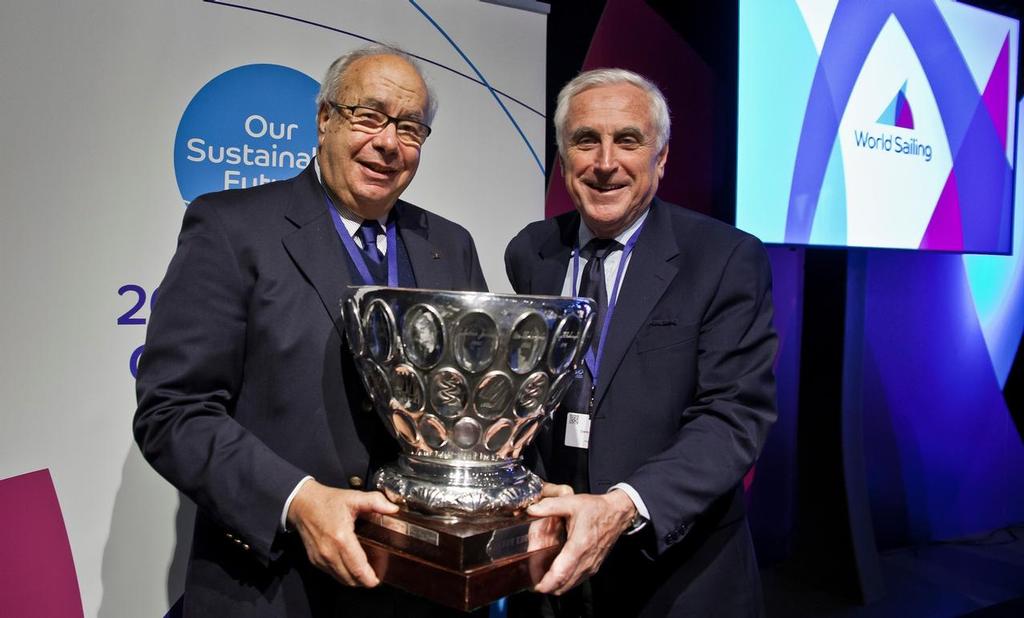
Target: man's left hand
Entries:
(594, 524)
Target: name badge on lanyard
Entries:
(577, 430)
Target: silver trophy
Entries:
(464, 380)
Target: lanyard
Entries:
(357, 255)
(593, 361)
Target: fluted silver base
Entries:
(458, 489)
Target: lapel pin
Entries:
(437, 255)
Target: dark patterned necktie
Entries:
(592, 284)
(368, 231)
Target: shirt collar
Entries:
(351, 220)
(585, 235)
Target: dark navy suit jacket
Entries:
(683, 404)
(245, 387)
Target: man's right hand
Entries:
(325, 519)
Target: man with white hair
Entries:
(647, 453)
(248, 401)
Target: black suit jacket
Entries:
(245, 386)
(683, 404)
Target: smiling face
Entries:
(365, 171)
(612, 161)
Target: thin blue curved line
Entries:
(484, 81)
(369, 40)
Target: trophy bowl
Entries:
(463, 381)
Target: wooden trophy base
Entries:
(458, 563)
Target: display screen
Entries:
(882, 123)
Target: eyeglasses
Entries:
(368, 120)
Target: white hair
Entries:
(611, 77)
(335, 77)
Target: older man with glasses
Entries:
(248, 402)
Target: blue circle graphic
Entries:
(248, 126)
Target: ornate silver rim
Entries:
(479, 494)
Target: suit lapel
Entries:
(314, 246)
(431, 265)
(649, 273)
(548, 276)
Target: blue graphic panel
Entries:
(248, 126)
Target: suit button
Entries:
(671, 537)
(245, 546)
(355, 482)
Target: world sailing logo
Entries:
(898, 114)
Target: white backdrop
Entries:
(91, 98)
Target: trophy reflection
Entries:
(463, 381)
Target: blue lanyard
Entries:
(593, 361)
(357, 255)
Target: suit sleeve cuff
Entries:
(288, 502)
(643, 515)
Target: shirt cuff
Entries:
(288, 502)
(641, 508)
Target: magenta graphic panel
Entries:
(37, 572)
